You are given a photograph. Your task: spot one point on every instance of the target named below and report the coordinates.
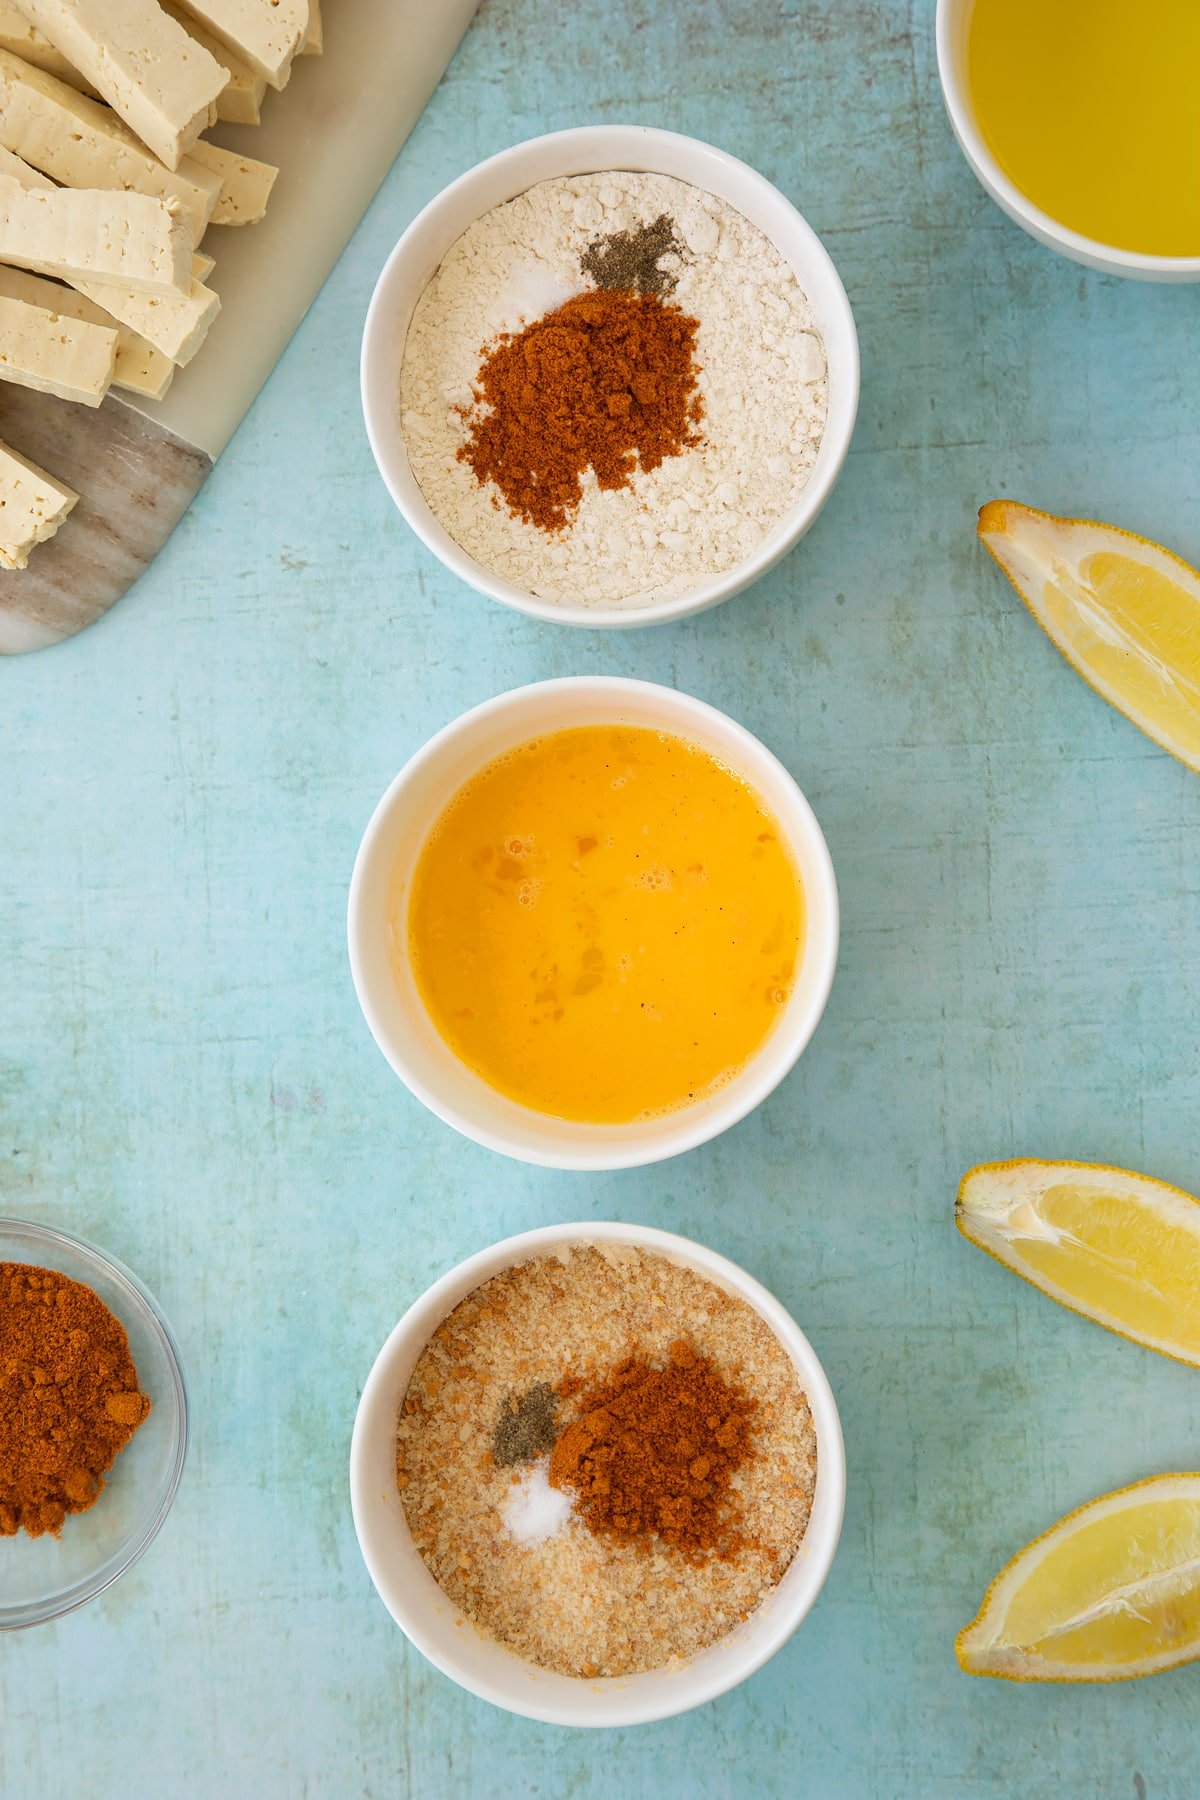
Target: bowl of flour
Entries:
(610, 376)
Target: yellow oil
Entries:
(1092, 108)
(604, 924)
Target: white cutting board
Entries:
(334, 133)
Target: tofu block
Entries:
(314, 43)
(100, 236)
(245, 184)
(83, 144)
(265, 33)
(161, 82)
(32, 507)
(26, 41)
(177, 326)
(240, 101)
(55, 354)
(139, 368)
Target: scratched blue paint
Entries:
(185, 1077)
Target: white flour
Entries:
(762, 378)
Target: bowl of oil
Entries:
(1080, 122)
(593, 923)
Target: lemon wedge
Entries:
(1124, 612)
(1109, 1593)
(1118, 1248)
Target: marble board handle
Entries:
(135, 481)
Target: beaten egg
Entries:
(604, 923)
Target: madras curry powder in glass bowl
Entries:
(44, 1576)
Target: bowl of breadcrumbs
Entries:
(597, 1474)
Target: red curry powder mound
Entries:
(69, 1398)
(652, 1453)
(606, 381)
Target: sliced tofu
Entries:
(26, 41)
(245, 184)
(177, 326)
(266, 33)
(139, 368)
(314, 43)
(21, 171)
(240, 101)
(55, 354)
(162, 82)
(32, 507)
(100, 236)
(83, 144)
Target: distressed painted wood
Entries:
(184, 1074)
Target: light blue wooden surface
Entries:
(185, 1077)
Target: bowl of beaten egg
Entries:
(593, 923)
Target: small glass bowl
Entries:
(42, 1578)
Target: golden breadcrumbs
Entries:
(574, 1602)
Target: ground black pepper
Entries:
(527, 1427)
(630, 259)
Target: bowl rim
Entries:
(760, 1075)
(778, 1625)
(378, 367)
(1092, 252)
(139, 1296)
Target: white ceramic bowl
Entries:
(393, 841)
(435, 1626)
(589, 150)
(953, 27)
